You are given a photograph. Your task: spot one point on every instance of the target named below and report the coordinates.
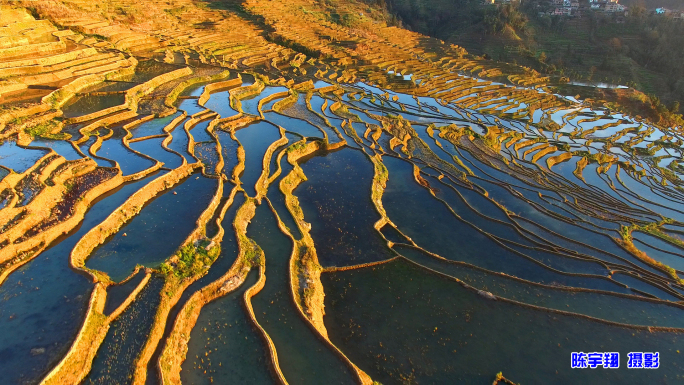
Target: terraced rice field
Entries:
(198, 206)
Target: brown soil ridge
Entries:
(306, 285)
(77, 362)
(173, 290)
(42, 210)
(175, 348)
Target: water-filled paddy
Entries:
(299, 126)
(207, 153)
(336, 201)
(506, 204)
(129, 162)
(277, 200)
(190, 106)
(199, 131)
(17, 158)
(125, 338)
(179, 143)
(61, 147)
(153, 148)
(255, 138)
(228, 255)
(154, 126)
(87, 104)
(228, 151)
(224, 346)
(154, 235)
(633, 310)
(220, 103)
(48, 300)
(397, 322)
(117, 294)
(303, 357)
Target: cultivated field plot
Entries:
(185, 204)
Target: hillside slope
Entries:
(641, 50)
